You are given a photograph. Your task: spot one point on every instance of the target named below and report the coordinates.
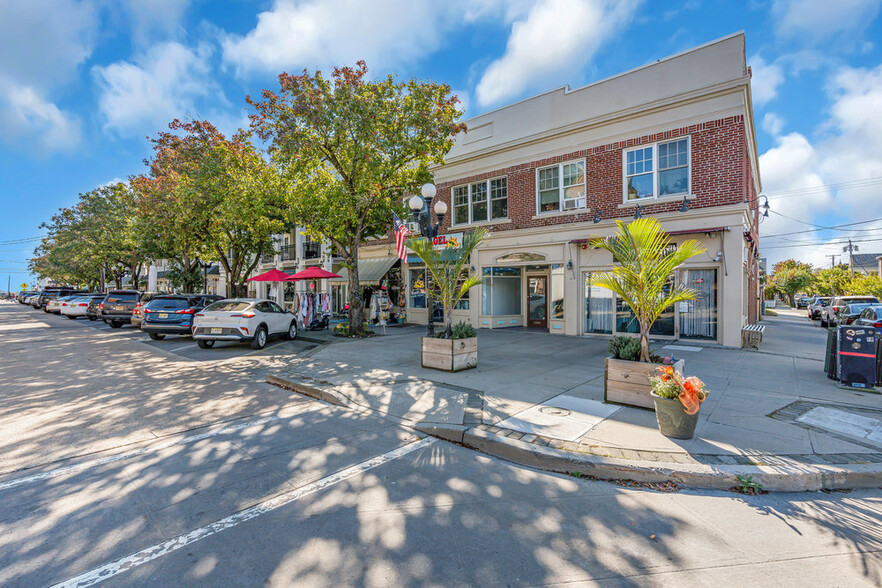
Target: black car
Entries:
(118, 306)
(871, 316)
(172, 314)
(95, 305)
(803, 301)
(850, 313)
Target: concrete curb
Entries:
(780, 478)
(773, 478)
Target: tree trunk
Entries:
(644, 343)
(356, 304)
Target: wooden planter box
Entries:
(451, 355)
(627, 382)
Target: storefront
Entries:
(382, 289)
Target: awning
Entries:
(369, 270)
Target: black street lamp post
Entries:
(430, 231)
(204, 265)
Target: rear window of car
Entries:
(168, 304)
(227, 306)
(865, 299)
(122, 297)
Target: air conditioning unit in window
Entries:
(413, 227)
(573, 203)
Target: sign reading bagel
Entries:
(448, 241)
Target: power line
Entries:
(820, 228)
(852, 184)
(822, 243)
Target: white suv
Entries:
(252, 320)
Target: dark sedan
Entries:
(871, 316)
(93, 311)
(118, 307)
(172, 314)
(850, 312)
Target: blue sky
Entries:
(84, 82)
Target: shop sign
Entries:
(448, 241)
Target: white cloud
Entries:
(814, 21)
(765, 80)
(849, 150)
(29, 120)
(165, 83)
(772, 123)
(151, 19)
(321, 33)
(554, 39)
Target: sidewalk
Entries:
(537, 398)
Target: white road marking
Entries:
(174, 349)
(123, 564)
(148, 449)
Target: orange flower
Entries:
(692, 395)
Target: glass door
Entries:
(599, 304)
(698, 318)
(537, 301)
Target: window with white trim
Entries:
(480, 201)
(660, 169)
(561, 187)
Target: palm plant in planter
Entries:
(455, 348)
(645, 264)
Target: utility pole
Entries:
(851, 249)
(833, 260)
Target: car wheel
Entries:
(205, 343)
(259, 341)
(292, 330)
(93, 318)
(71, 317)
(156, 336)
(823, 322)
(115, 324)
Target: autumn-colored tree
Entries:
(864, 285)
(351, 148)
(211, 197)
(789, 277)
(831, 281)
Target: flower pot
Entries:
(627, 382)
(450, 355)
(672, 418)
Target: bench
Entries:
(752, 336)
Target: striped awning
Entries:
(369, 270)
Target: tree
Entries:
(831, 281)
(451, 277)
(864, 285)
(641, 278)
(789, 277)
(212, 197)
(183, 279)
(351, 148)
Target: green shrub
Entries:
(625, 348)
(461, 330)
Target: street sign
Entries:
(24, 286)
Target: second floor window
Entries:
(561, 187)
(480, 202)
(661, 169)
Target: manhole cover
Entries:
(553, 410)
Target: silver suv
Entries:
(816, 306)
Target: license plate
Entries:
(163, 315)
(216, 331)
(119, 307)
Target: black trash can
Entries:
(831, 356)
(878, 357)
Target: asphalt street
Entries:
(125, 461)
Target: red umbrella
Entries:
(273, 275)
(313, 272)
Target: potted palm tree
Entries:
(641, 278)
(454, 348)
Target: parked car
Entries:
(831, 312)
(76, 306)
(252, 320)
(816, 307)
(871, 316)
(138, 311)
(53, 305)
(172, 314)
(850, 313)
(118, 307)
(93, 311)
(803, 301)
(24, 295)
(52, 293)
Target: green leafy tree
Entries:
(449, 268)
(642, 277)
(864, 285)
(351, 148)
(789, 277)
(831, 281)
(183, 279)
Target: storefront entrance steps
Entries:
(748, 426)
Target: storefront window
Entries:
(418, 288)
(598, 308)
(557, 292)
(664, 324)
(501, 294)
(700, 320)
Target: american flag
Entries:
(401, 234)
